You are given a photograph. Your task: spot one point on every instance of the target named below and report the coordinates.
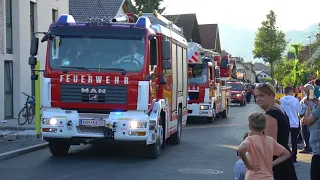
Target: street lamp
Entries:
(310, 41)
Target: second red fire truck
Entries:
(207, 97)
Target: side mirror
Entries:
(166, 49)
(166, 64)
(153, 51)
(218, 80)
(32, 61)
(47, 36)
(34, 46)
(217, 73)
(163, 81)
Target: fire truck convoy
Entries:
(122, 80)
(207, 97)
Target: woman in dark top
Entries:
(277, 127)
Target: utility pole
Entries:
(296, 49)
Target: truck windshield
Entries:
(97, 52)
(197, 73)
(236, 86)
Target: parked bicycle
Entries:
(28, 110)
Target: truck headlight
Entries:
(137, 124)
(49, 121)
(238, 95)
(204, 107)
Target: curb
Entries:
(8, 128)
(18, 152)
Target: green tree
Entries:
(284, 72)
(270, 42)
(146, 6)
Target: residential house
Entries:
(19, 20)
(210, 37)
(251, 74)
(189, 25)
(83, 10)
(241, 68)
(263, 75)
(261, 67)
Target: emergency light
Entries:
(143, 22)
(66, 18)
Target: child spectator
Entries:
(260, 149)
(240, 168)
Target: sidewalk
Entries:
(12, 124)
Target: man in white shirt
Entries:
(292, 107)
(134, 56)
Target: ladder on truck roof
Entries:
(194, 52)
(156, 18)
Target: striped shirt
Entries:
(239, 170)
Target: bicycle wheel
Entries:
(24, 113)
(31, 114)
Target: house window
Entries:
(9, 45)
(32, 14)
(54, 15)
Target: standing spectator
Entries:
(277, 127)
(260, 149)
(313, 121)
(304, 128)
(292, 107)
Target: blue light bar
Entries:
(118, 113)
(143, 22)
(66, 18)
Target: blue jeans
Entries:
(305, 136)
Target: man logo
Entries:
(93, 97)
(93, 91)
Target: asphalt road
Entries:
(207, 151)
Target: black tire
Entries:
(163, 124)
(24, 113)
(154, 150)
(31, 114)
(225, 112)
(58, 149)
(176, 137)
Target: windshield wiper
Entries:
(71, 67)
(123, 71)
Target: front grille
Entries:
(114, 94)
(193, 95)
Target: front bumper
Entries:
(195, 111)
(115, 126)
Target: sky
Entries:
(291, 14)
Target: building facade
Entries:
(19, 19)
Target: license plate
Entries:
(96, 123)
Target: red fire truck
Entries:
(206, 97)
(123, 79)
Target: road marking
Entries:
(200, 171)
(214, 126)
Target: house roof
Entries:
(210, 38)
(266, 72)
(189, 24)
(260, 67)
(81, 10)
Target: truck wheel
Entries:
(154, 150)
(164, 141)
(58, 149)
(211, 119)
(225, 112)
(176, 137)
(242, 103)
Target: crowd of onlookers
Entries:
(265, 152)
